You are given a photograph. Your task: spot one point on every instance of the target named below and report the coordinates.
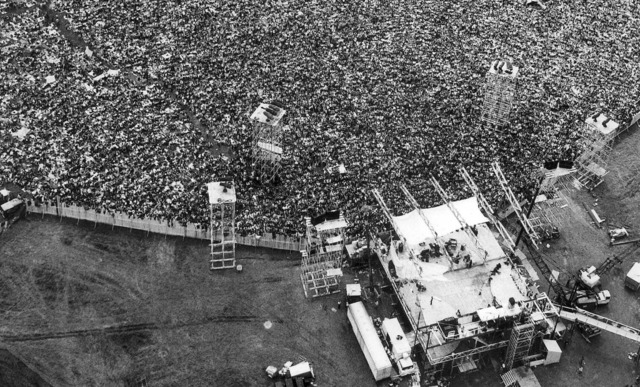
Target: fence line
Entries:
(191, 230)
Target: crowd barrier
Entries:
(191, 230)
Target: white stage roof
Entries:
(217, 194)
(414, 230)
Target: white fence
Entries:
(280, 242)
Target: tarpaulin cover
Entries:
(329, 215)
(441, 218)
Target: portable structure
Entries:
(499, 92)
(267, 147)
(472, 236)
(553, 352)
(446, 305)
(600, 323)
(524, 220)
(222, 208)
(322, 257)
(597, 136)
(519, 343)
(369, 341)
(488, 210)
(632, 280)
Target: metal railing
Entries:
(279, 242)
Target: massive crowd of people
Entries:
(393, 90)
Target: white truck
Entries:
(369, 341)
(398, 345)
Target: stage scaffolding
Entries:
(445, 197)
(596, 140)
(488, 210)
(499, 91)
(222, 208)
(266, 146)
(322, 257)
(524, 220)
(519, 343)
(476, 334)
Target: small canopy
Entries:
(268, 114)
(599, 124)
(354, 290)
(331, 225)
(220, 194)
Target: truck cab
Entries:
(589, 277)
(398, 345)
(10, 212)
(588, 300)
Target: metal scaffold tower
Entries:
(519, 343)
(416, 206)
(524, 221)
(499, 92)
(445, 197)
(222, 208)
(385, 209)
(597, 136)
(322, 257)
(266, 147)
(489, 212)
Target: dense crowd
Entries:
(393, 90)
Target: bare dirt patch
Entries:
(103, 307)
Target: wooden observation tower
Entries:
(222, 207)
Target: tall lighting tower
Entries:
(499, 91)
(266, 145)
